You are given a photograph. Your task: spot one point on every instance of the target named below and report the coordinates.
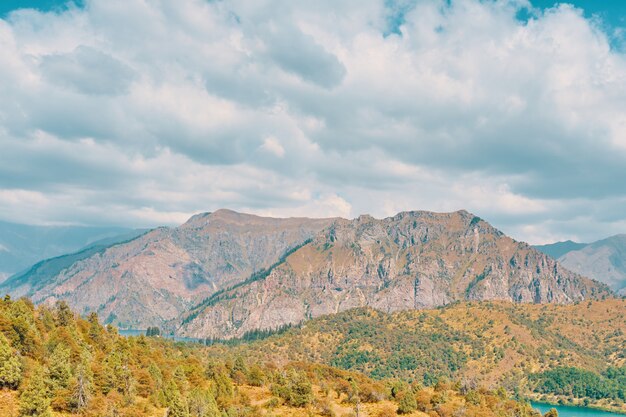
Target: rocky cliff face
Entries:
(412, 260)
(160, 275)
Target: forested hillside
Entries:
(53, 363)
(524, 348)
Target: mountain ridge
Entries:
(377, 260)
(603, 260)
(22, 245)
(223, 273)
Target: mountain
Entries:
(161, 274)
(23, 245)
(604, 260)
(491, 344)
(37, 276)
(558, 249)
(409, 261)
(222, 274)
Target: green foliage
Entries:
(256, 376)
(64, 315)
(34, 401)
(202, 404)
(59, 368)
(294, 387)
(224, 388)
(77, 366)
(579, 383)
(407, 403)
(153, 331)
(177, 407)
(473, 397)
(10, 365)
(417, 352)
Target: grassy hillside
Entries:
(53, 363)
(488, 344)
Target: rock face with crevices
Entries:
(410, 261)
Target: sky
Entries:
(143, 112)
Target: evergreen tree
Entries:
(181, 379)
(24, 334)
(176, 404)
(34, 401)
(10, 365)
(64, 315)
(224, 389)
(95, 330)
(59, 368)
(202, 404)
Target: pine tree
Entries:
(10, 365)
(202, 404)
(64, 314)
(181, 379)
(59, 369)
(95, 330)
(224, 389)
(34, 401)
(177, 407)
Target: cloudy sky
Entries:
(143, 112)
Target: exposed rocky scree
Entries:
(225, 273)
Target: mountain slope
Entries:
(57, 364)
(487, 343)
(37, 276)
(159, 275)
(23, 245)
(409, 261)
(604, 260)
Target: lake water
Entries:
(569, 411)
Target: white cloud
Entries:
(141, 113)
(273, 146)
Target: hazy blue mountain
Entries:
(37, 275)
(23, 245)
(558, 249)
(604, 260)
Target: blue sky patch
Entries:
(7, 6)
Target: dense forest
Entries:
(55, 363)
(580, 383)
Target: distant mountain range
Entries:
(222, 274)
(604, 260)
(23, 245)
